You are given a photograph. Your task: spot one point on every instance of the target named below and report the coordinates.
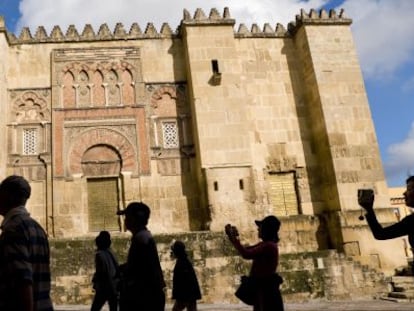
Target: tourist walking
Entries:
(143, 282)
(24, 252)
(186, 290)
(263, 281)
(106, 277)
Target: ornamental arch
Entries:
(106, 139)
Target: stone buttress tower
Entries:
(221, 122)
(343, 143)
(282, 126)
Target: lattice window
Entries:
(30, 141)
(170, 134)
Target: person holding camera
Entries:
(404, 227)
(264, 293)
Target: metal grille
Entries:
(29, 141)
(170, 134)
(283, 194)
(103, 204)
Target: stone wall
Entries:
(307, 275)
(244, 108)
(270, 105)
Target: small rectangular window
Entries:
(30, 141)
(170, 134)
(215, 66)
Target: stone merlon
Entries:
(199, 19)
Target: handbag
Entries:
(247, 290)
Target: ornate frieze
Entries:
(96, 77)
(29, 105)
(170, 121)
(28, 129)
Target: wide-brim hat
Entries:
(136, 209)
(270, 222)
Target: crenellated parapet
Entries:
(319, 18)
(214, 18)
(104, 33)
(256, 32)
(88, 34)
(313, 18)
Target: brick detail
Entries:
(101, 136)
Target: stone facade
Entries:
(206, 124)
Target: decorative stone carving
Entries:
(176, 93)
(96, 77)
(80, 140)
(30, 106)
(169, 105)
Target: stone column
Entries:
(47, 162)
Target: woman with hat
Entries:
(263, 278)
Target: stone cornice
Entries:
(88, 34)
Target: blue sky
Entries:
(383, 32)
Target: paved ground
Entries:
(366, 305)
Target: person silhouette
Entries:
(401, 228)
(143, 281)
(265, 281)
(186, 290)
(106, 277)
(24, 252)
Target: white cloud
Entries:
(48, 13)
(401, 156)
(383, 32)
